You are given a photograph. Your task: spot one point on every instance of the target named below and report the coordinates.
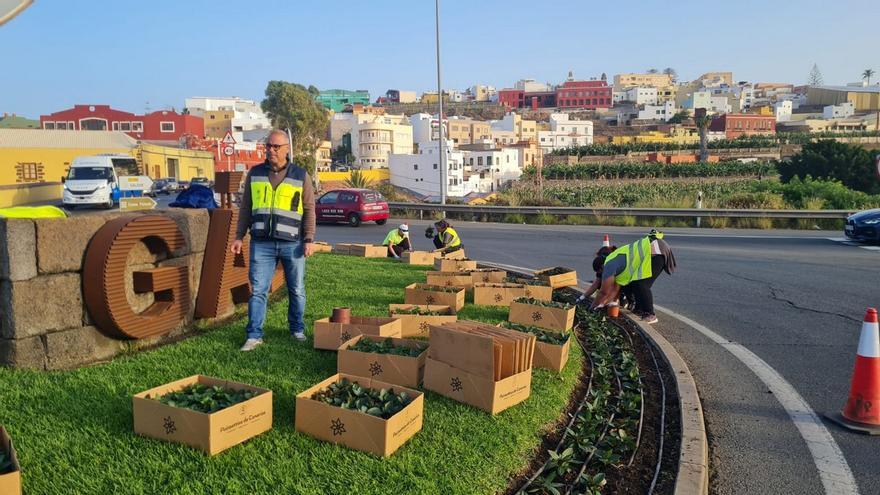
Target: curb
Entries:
(693, 458)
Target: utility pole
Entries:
(443, 171)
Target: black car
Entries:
(202, 181)
(863, 226)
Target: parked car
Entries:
(160, 186)
(202, 181)
(353, 206)
(172, 184)
(863, 226)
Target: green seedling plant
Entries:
(439, 288)
(546, 336)
(382, 403)
(546, 304)
(387, 346)
(205, 398)
(417, 311)
(525, 281)
(555, 271)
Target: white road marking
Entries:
(848, 242)
(834, 471)
(836, 476)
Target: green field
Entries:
(73, 429)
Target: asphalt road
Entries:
(793, 298)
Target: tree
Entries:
(832, 160)
(815, 76)
(703, 120)
(358, 180)
(669, 71)
(653, 71)
(342, 154)
(293, 106)
(867, 74)
(678, 118)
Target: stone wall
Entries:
(44, 323)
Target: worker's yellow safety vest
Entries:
(32, 212)
(277, 213)
(454, 240)
(638, 261)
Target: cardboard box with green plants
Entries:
(454, 265)
(478, 364)
(10, 469)
(545, 314)
(551, 346)
(398, 361)
(450, 279)
(206, 413)
(434, 295)
(424, 258)
(504, 293)
(558, 277)
(458, 254)
(535, 288)
(415, 319)
(488, 276)
(330, 335)
(360, 413)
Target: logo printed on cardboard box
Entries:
(528, 293)
(345, 337)
(537, 316)
(375, 368)
(456, 384)
(430, 299)
(498, 297)
(337, 427)
(424, 327)
(169, 425)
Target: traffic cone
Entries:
(606, 242)
(862, 410)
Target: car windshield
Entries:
(372, 197)
(89, 173)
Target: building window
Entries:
(49, 125)
(61, 126)
(116, 126)
(137, 127)
(166, 126)
(125, 126)
(415, 166)
(29, 172)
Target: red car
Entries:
(353, 206)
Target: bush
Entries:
(753, 201)
(852, 165)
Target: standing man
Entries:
(397, 241)
(278, 207)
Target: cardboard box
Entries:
(488, 276)
(10, 483)
(342, 248)
(368, 251)
(399, 370)
(419, 325)
(425, 258)
(482, 393)
(542, 316)
(211, 433)
(323, 247)
(422, 294)
(498, 294)
(449, 265)
(551, 357)
(355, 429)
(454, 255)
(567, 279)
(330, 336)
(450, 279)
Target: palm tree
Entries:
(867, 74)
(358, 180)
(669, 71)
(703, 121)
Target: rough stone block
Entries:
(18, 252)
(79, 346)
(61, 243)
(23, 353)
(40, 305)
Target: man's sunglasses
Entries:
(275, 147)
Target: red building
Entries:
(511, 98)
(735, 125)
(248, 154)
(588, 95)
(163, 125)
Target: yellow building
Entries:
(624, 81)
(468, 131)
(863, 98)
(676, 135)
(33, 161)
(323, 157)
(218, 122)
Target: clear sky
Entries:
(128, 53)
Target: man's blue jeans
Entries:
(264, 257)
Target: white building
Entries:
(565, 132)
(641, 95)
(662, 112)
(247, 114)
(426, 128)
(783, 110)
(562, 122)
(495, 166)
(841, 111)
(712, 103)
(420, 172)
(502, 137)
(372, 137)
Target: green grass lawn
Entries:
(73, 430)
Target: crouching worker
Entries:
(397, 241)
(445, 237)
(637, 265)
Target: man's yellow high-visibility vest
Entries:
(638, 261)
(32, 212)
(277, 213)
(454, 240)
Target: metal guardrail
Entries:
(636, 212)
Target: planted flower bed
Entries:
(360, 413)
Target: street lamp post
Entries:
(443, 171)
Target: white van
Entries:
(94, 180)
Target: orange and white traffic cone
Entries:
(862, 410)
(606, 242)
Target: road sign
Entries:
(228, 150)
(135, 183)
(228, 139)
(141, 203)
